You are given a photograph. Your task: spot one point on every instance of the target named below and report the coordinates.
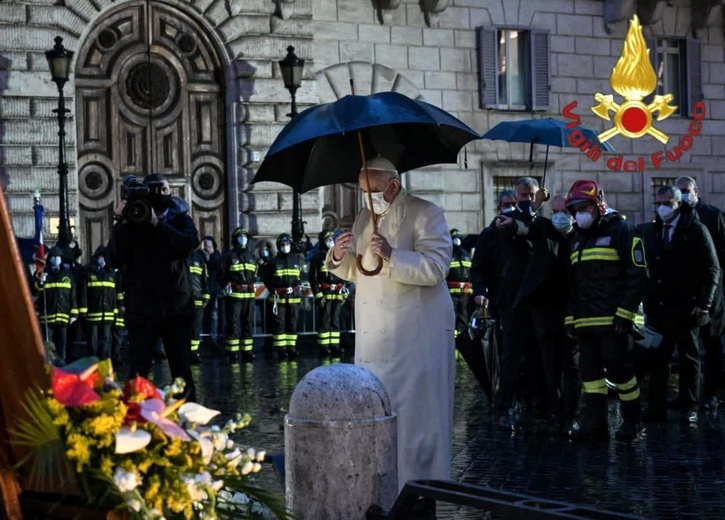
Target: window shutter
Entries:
(694, 74)
(487, 60)
(540, 70)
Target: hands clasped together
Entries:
(378, 244)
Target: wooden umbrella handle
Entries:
(372, 213)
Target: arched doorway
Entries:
(149, 99)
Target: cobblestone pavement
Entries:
(672, 472)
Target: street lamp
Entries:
(59, 60)
(292, 67)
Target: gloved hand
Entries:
(321, 303)
(623, 325)
(73, 320)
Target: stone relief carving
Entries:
(615, 11)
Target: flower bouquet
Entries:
(139, 449)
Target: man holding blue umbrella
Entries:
(404, 316)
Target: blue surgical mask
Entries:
(55, 262)
(265, 253)
(563, 222)
(286, 248)
(101, 263)
(456, 242)
(330, 244)
(242, 241)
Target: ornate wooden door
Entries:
(149, 99)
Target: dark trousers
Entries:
(118, 340)
(686, 341)
(175, 333)
(571, 385)
(58, 334)
(611, 351)
(461, 306)
(240, 323)
(713, 370)
(98, 335)
(284, 328)
(328, 334)
(211, 324)
(198, 321)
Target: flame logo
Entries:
(633, 78)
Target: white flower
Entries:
(251, 452)
(240, 498)
(196, 413)
(220, 440)
(261, 454)
(207, 447)
(224, 495)
(125, 480)
(131, 439)
(257, 467)
(247, 468)
(203, 479)
(234, 457)
(134, 505)
(230, 444)
(196, 492)
(217, 485)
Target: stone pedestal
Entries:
(340, 445)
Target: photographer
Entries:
(152, 240)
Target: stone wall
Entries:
(435, 55)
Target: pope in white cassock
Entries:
(404, 317)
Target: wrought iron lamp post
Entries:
(292, 67)
(59, 60)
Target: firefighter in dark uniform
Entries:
(237, 273)
(97, 303)
(282, 278)
(118, 329)
(459, 282)
(329, 291)
(198, 278)
(56, 303)
(608, 282)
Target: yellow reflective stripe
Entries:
(119, 296)
(243, 267)
(600, 253)
(455, 264)
(574, 257)
(626, 386)
(594, 322)
(284, 301)
(630, 396)
(198, 303)
(595, 387)
(639, 320)
(196, 270)
(318, 296)
(333, 297)
(241, 296)
(102, 284)
(466, 263)
(569, 320)
(624, 313)
(83, 310)
(287, 272)
(58, 285)
(323, 269)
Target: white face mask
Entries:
(666, 213)
(285, 248)
(330, 244)
(380, 205)
(563, 222)
(456, 242)
(504, 211)
(584, 219)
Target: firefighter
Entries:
(198, 277)
(282, 278)
(118, 330)
(97, 303)
(608, 282)
(237, 273)
(459, 282)
(329, 291)
(56, 303)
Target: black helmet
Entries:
(323, 235)
(284, 237)
(455, 233)
(54, 251)
(237, 232)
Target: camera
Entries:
(139, 199)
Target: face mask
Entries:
(506, 210)
(687, 199)
(456, 242)
(285, 249)
(330, 244)
(265, 253)
(380, 205)
(101, 262)
(524, 206)
(242, 241)
(584, 219)
(55, 262)
(666, 213)
(563, 222)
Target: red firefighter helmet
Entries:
(582, 191)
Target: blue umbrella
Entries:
(548, 131)
(320, 146)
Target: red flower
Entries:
(133, 414)
(140, 389)
(70, 390)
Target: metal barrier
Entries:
(502, 503)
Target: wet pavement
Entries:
(673, 471)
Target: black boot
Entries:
(593, 423)
(247, 356)
(631, 421)
(324, 352)
(194, 358)
(233, 357)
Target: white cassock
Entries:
(404, 322)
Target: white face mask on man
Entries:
(666, 213)
(380, 205)
(563, 222)
(584, 219)
(286, 248)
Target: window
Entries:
(677, 64)
(513, 68)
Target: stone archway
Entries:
(149, 99)
(341, 202)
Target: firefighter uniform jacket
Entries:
(282, 276)
(98, 295)
(239, 269)
(459, 273)
(56, 301)
(324, 283)
(608, 276)
(198, 278)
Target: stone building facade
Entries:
(192, 88)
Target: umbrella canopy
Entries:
(548, 131)
(320, 146)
